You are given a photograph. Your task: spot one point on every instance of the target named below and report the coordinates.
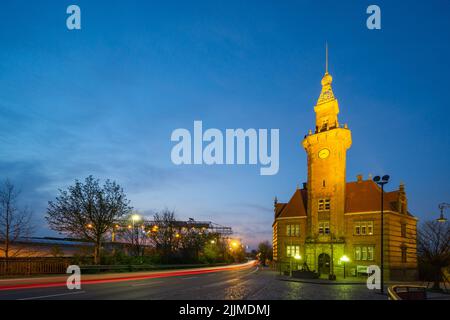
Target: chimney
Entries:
(305, 185)
(359, 178)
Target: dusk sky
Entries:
(105, 99)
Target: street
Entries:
(250, 283)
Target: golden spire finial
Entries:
(326, 57)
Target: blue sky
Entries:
(105, 100)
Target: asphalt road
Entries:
(250, 283)
(233, 284)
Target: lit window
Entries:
(370, 253)
(292, 251)
(327, 204)
(324, 204)
(321, 205)
(358, 253)
(324, 228)
(293, 230)
(364, 253)
(370, 228)
(357, 229)
(363, 228)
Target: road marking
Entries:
(53, 295)
(146, 284)
(188, 278)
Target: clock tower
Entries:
(326, 149)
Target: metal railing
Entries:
(33, 266)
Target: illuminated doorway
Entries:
(324, 263)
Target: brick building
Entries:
(329, 218)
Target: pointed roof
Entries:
(364, 196)
(360, 196)
(296, 207)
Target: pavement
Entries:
(243, 282)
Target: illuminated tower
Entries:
(326, 149)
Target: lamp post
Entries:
(344, 259)
(134, 218)
(443, 206)
(381, 182)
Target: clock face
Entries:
(324, 153)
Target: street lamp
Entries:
(344, 259)
(443, 206)
(136, 218)
(381, 182)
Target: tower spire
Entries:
(326, 57)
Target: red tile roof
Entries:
(364, 196)
(360, 196)
(296, 207)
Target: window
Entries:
(363, 228)
(358, 253)
(324, 124)
(403, 254)
(404, 230)
(324, 204)
(370, 228)
(364, 253)
(370, 253)
(292, 251)
(293, 230)
(324, 227)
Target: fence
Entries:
(33, 266)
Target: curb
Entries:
(323, 283)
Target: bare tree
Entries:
(433, 250)
(265, 252)
(164, 234)
(137, 236)
(15, 223)
(88, 211)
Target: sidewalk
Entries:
(352, 281)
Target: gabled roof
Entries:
(364, 196)
(296, 207)
(360, 196)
